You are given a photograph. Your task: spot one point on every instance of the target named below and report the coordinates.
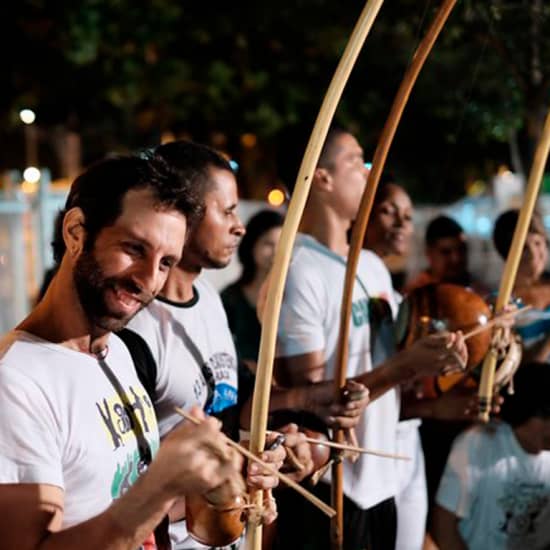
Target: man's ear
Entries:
(74, 233)
(322, 179)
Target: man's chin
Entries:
(112, 323)
(217, 263)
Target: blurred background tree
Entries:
(249, 79)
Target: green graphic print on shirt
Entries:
(119, 423)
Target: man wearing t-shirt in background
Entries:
(78, 435)
(307, 344)
(186, 327)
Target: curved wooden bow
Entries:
(512, 263)
(358, 235)
(264, 372)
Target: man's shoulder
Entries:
(311, 258)
(150, 318)
(207, 293)
(16, 346)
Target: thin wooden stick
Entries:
(496, 320)
(353, 448)
(266, 357)
(330, 512)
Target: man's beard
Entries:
(92, 284)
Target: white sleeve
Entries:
(302, 313)
(458, 484)
(30, 435)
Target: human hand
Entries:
(259, 478)
(195, 459)
(461, 403)
(442, 353)
(299, 462)
(343, 414)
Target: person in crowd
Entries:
(240, 299)
(388, 234)
(447, 255)
(495, 492)
(532, 284)
(80, 461)
(307, 342)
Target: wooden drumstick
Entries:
(496, 320)
(353, 448)
(330, 512)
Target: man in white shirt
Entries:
(186, 326)
(78, 436)
(307, 342)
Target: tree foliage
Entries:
(122, 72)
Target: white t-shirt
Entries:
(310, 319)
(190, 342)
(501, 492)
(63, 423)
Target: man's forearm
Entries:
(393, 372)
(125, 525)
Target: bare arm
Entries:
(309, 392)
(192, 460)
(306, 390)
(431, 355)
(445, 530)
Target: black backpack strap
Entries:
(146, 366)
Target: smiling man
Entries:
(77, 431)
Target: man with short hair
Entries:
(186, 327)
(79, 466)
(308, 339)
(447, 255)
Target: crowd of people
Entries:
(94, 454)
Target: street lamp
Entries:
(28, 116)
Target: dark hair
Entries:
(505, 226)
(191, 162)
(442, 227)
(326, 158)
(259, 224)
(387, 180)
(100, 191)
(531, 397)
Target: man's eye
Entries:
(167, 263)
(132, 248)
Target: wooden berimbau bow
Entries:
(358, 234)
(508, 279)
(262, 388)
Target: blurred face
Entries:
(128, 263)
(448, 259)
(264, 250)
(390, 227)
(213, 242)
(534, 256)
(348, 176)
